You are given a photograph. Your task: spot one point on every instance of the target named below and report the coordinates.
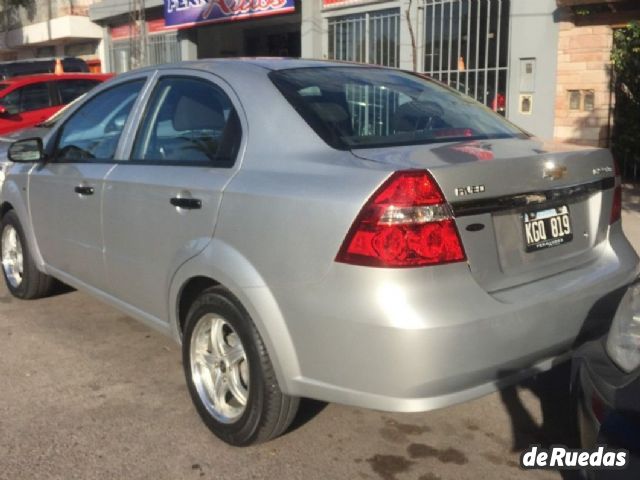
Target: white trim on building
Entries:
(57, 32)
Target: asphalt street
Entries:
(89, 393)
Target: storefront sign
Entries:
(184, 13)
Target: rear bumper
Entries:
(420, 339)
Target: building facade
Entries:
(544, 64)
(52, 28)
(584, 84)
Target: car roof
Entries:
(285, 63)
(230, 65)
(46, 77)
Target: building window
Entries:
(372, 37)
(466, 46)
(44, 52)
(80, 49)
(574, 99)
(582, 100)
(160, 48)
(589, 100)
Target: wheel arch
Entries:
(222, 265)
(5, 208)
(14, 199)
(188, 293)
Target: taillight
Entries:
(616, 208)
(406, 223)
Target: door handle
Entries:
(84, 190)
(186, 203)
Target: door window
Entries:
(28, 98)
(93, 132)
(189, 122)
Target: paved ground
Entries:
(88, 393)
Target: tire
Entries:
(22, 277)
(216, 323)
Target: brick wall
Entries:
(584, 67)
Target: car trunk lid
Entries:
(524, 209)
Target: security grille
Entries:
(161, 48)
(372, 37)
(371, 109)
(466, 46)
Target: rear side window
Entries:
(71, 89)
(28, 68)
(354, 107)
(30, 97)
(93, 131)
(189, 121)
(74, 65)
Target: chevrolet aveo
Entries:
(349, 233)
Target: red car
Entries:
(27, 101)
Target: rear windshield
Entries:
(355, 107)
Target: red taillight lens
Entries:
(616, 208)
(406, 223)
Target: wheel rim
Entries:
(219, 368)
(12, 256)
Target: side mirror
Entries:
(29, 150)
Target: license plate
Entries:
(546, 228)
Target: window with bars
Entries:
(372, 37)
(466, 46)
(160, 48)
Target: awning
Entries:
(70, 28)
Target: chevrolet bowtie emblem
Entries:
(535, 198)
(553, 171)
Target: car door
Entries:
(160, 207)
(65, 193)
(27, 106)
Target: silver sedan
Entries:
(344, 232)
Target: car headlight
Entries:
(623, 343)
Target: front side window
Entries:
(28, 98)
(353, 107)
(188, 121)
(93, 132)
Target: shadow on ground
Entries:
(553, 389)
(308, 410)
(559, 415)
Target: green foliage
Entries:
(625, 58)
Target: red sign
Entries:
(344, 3)
(154, 25)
